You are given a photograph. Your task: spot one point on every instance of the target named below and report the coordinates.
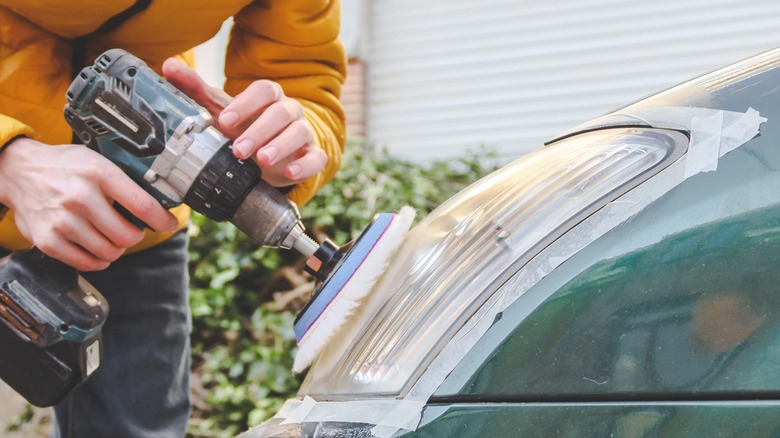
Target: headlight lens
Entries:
(452, 262)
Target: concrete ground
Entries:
(11, 406)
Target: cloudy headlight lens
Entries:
(457, 257)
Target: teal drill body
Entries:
(160, 137)
(168, 144)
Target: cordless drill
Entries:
(167, 143)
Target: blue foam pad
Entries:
(348, 265)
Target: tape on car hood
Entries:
(714, 133)
(388, 415)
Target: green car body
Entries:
(666, 324)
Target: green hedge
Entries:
(244, 299)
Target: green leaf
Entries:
(219, 280)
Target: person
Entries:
(280, 104)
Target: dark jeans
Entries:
(142, 386)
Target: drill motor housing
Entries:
(169, 145)
(162, 139)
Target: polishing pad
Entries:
(350, 281)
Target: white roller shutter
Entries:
(449, 75)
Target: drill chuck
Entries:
(268, 217)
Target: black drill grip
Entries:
(222, 185)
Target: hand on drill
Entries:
(62, 198)
(263, 122)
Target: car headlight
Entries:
(452, 262)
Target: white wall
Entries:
(210, 56)
(448, 75)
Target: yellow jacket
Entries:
(292, 42)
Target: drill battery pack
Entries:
(50, 335)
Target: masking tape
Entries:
(387, 415)
(713, 134)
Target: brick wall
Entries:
(353, 98)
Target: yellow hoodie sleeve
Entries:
(295, 43)
(11, 128)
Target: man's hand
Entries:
(63, 202)
(262, 121)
